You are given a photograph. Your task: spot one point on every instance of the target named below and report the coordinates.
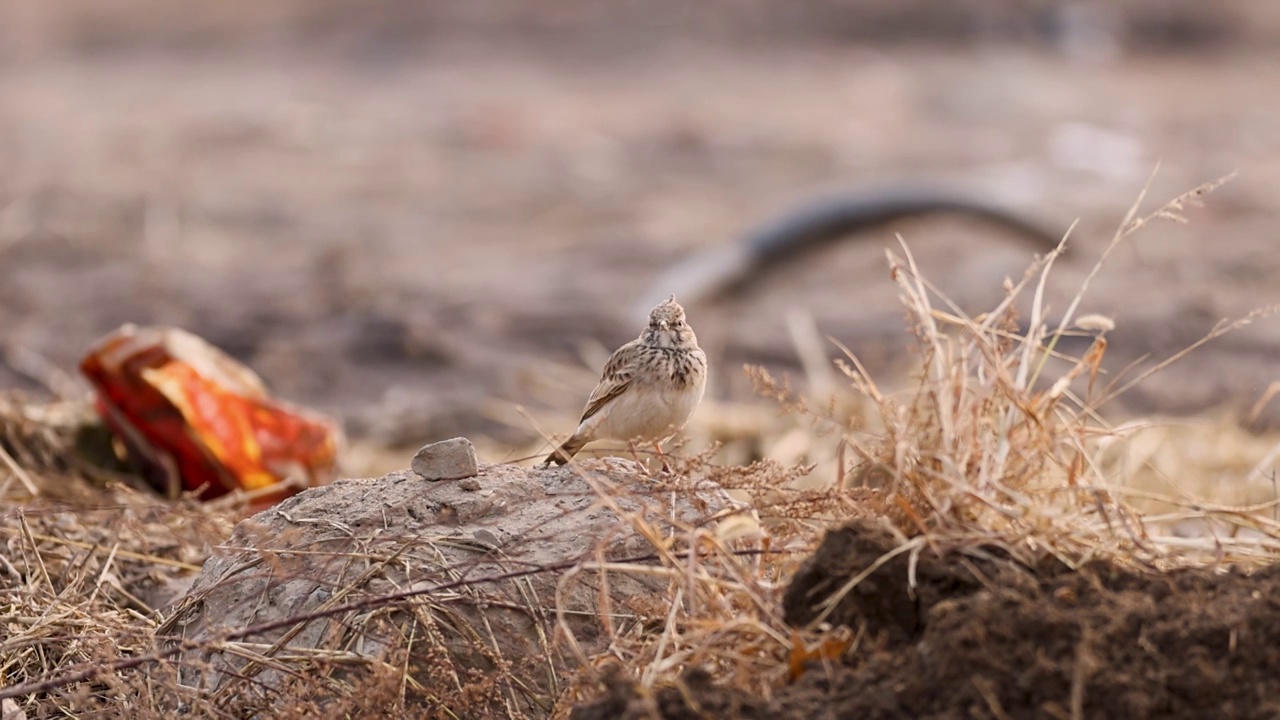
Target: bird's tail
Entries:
(567, 450)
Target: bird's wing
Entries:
(615, 379)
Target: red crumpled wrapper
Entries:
(193, 419)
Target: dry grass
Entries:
(1000, 440)
(87, 561)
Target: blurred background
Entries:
(418, 216)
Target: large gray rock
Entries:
(482, 641)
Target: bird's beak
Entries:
(664, 324)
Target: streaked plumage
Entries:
(649, 387)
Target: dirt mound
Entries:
(465, 585)
(983, 636)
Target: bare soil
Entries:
(980, 636)
(398, 215)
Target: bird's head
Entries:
(667, 326)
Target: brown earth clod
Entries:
(989, 637)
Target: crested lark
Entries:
(649, 387)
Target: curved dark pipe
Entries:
(823, 221)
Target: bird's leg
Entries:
(666, 467)
(635, 455)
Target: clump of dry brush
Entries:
(87, 560)
(998, 442)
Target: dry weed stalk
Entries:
(989, 449)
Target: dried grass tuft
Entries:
(85, 560)
(999, 441)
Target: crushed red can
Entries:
(194, 419)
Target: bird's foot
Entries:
(666, 466)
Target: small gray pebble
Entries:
(487, 538)
(452, 459)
